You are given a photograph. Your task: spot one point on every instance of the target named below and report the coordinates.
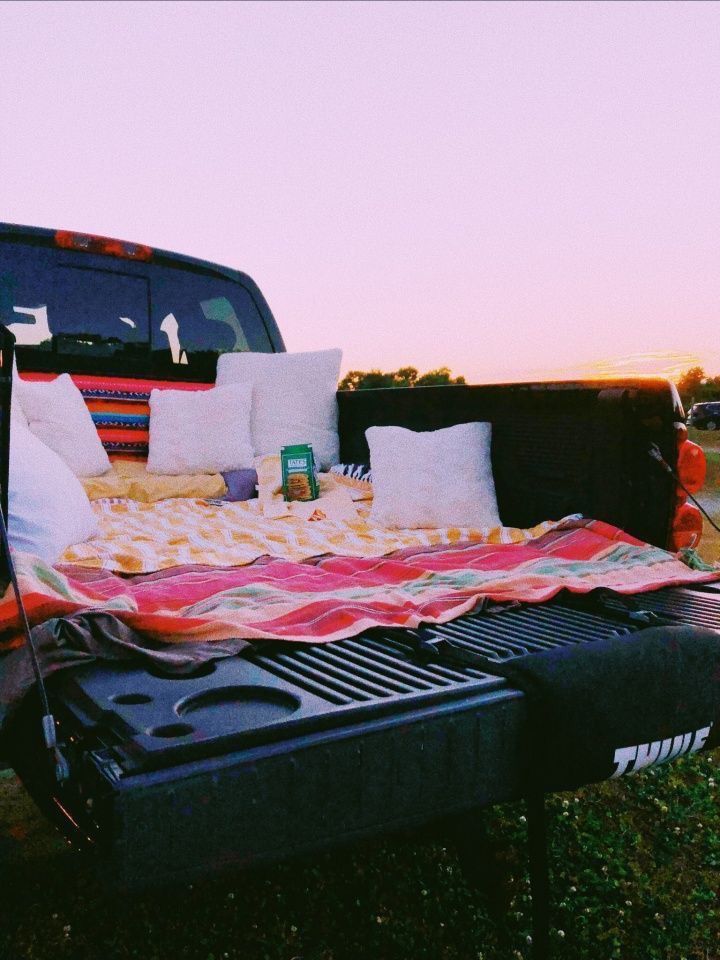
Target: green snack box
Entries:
(299, 480)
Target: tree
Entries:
(437, 377)
(690, 383)
(694, 386)
(404, 377)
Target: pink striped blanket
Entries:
(331, 597)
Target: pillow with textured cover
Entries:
(47, 507)
(120, 409)
(353, 471)
(294, 399)
(204, 431)
(438, 478)
(56, 413)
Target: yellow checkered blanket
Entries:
(144, 537)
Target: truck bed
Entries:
(293, 748)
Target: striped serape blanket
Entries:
(331, 596)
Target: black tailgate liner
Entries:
(296, 748)
(280, 691)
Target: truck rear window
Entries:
(83, 312)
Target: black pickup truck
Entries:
(329, 742)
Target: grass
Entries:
(636, 878)
(637, 875)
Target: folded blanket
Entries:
(333, 597)
(130, 478)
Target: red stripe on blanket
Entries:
(120, 384)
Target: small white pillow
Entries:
(441, 478)
(200, 431)
(56, 413)
(48, 508)
(294, 399)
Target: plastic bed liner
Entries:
(289, 749)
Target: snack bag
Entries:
(299, 481)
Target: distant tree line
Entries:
(404, 377)
(694, 386)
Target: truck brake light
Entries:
(89, 243)
(691, 466)
(687, 527)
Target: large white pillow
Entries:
(56, 413)
(16, 410)
(294, 399)
(47, 506)
(441, 478)
(200, 431)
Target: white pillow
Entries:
(16, 410)
(200, 431)
(294, 399)
(441, 478)
(56, 413)
(47, 506)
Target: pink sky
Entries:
(508, 189)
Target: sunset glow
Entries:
(670, 365)
(513, 190)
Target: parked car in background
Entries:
(705, 416)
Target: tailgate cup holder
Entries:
(171, 730)
(130, 699)
(203, 670)
(242, 706)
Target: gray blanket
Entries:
(84, 638)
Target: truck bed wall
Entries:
(557, 448)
